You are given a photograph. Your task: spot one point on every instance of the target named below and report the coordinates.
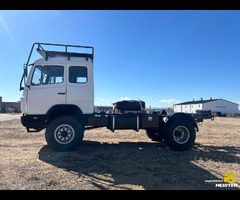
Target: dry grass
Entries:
(121, 160)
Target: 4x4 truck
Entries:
(58, 94)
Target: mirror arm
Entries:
(28, 86)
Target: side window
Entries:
(48, 74)
(77, 74)
(37, 74)
(52, 74)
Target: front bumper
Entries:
(37, 122)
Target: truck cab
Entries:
(60, 80)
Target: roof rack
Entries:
(45, 54)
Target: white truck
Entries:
(58, 94)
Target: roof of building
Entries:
(197, 102)
(202, 101)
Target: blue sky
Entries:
(162, 57)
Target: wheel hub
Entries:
(181, 134)
(64, 134)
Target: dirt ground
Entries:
(6, 117)
(122, 160)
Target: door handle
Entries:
(63, 93)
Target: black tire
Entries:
(64, 133)
(130, 105)
(154, 135)
(180, 135)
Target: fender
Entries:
(186, 116)
(62, 109)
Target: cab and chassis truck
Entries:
(58, 94)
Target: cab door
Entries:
(80, 91)
(47, 88)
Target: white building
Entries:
(215, 105)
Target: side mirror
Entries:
(25, 71)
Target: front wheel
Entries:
(64, 133)
(180, 135)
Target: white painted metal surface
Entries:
(222, 106)
(38, 99)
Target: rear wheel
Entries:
(155, 135)
(64, 133)
(180, 135)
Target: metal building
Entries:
(215, 105)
